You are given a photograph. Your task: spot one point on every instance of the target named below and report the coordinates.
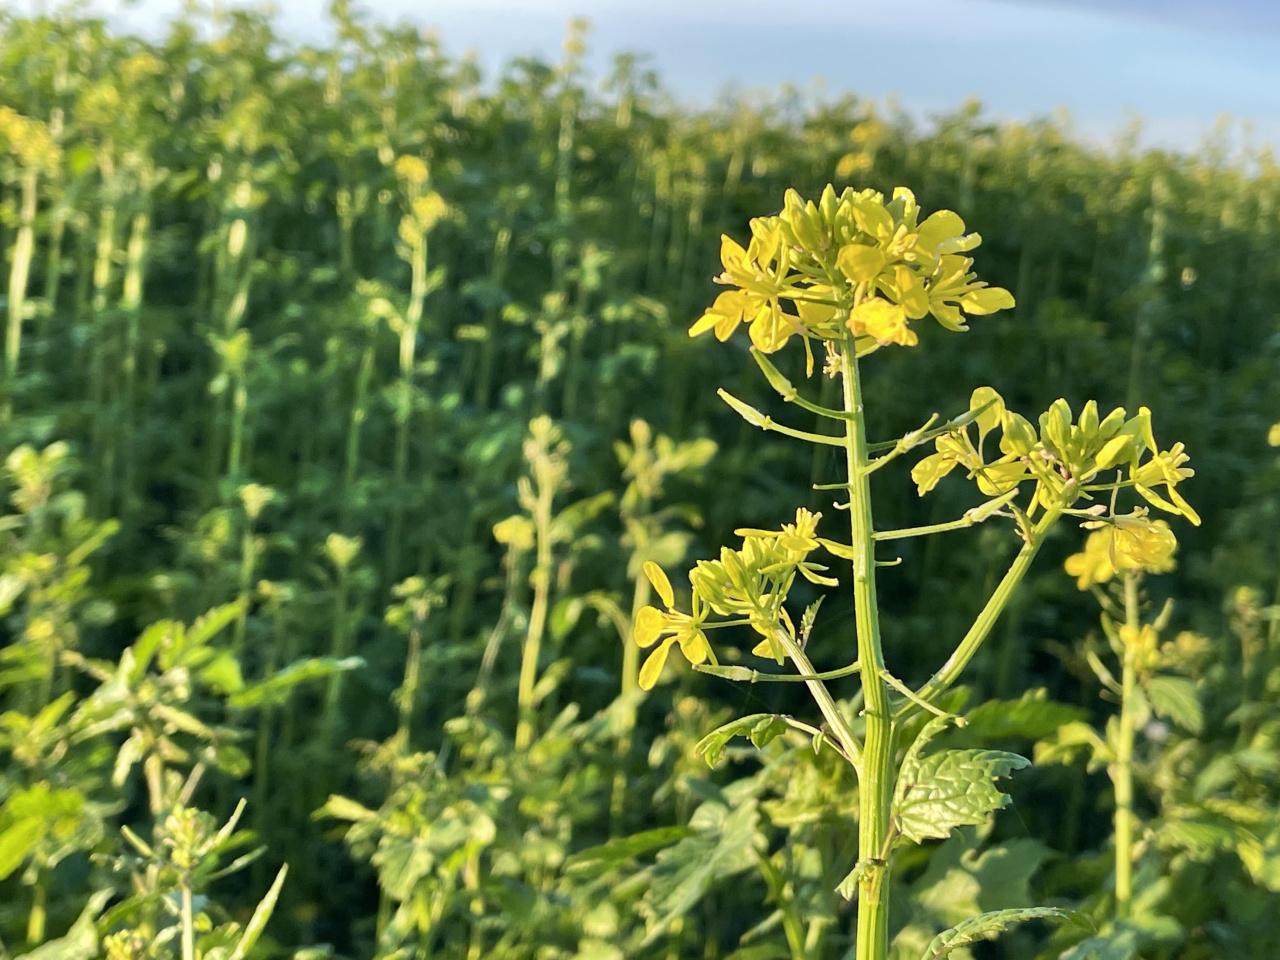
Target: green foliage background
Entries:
(222, 291)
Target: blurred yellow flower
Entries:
(1130, 543)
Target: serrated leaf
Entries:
(1174, 698)
(761, 728)
(949, 789)
(985, 926)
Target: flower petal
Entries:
(660, 583)
(648, 626)
(652, 668)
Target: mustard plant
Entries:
(848, 276)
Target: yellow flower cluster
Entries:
(850, 263)
(750, 583)
(1066, 459)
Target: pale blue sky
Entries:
(1179, 64)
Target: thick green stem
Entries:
(1123, 773)
(875, 788)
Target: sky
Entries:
(1178, 64)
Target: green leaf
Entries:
(342, 808)
(1033, 716)
(962, 881)
(624, 849)
(18, 841)
(949, 789)
(261, 914)
(1174, 698)
(275, 690)
(1068, 740)
(726, 843)
(987, 925)
(761, 728)
(212, 623)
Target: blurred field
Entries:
(291, 311)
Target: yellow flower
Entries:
(1165, 468)
(755, 302)
(882, 320)
(1142, 544)
(651, 623)
(1093, 564)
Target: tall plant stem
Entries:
(262, 764)
(131, 305)
(404, 402)
(359, 413)
(36, 919)
(541, 580)
(1124, 757)
(339, 647)
(188, 923)
(18, 273)
(104, 252)
(409, 690)
(875, 788)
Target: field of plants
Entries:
(386, 571)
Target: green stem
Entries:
(36, 919)
(248, 560)
(188, 924)
(338, 650)
(239, 409)
(835, 720)
(1123, 774)
(986, 620)
(262, 753)
(18, 273)
(359, 413)
(131, 305)
(875, 788)
(541, 580)
(409, 690)
(966, 521)
(404, 405)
